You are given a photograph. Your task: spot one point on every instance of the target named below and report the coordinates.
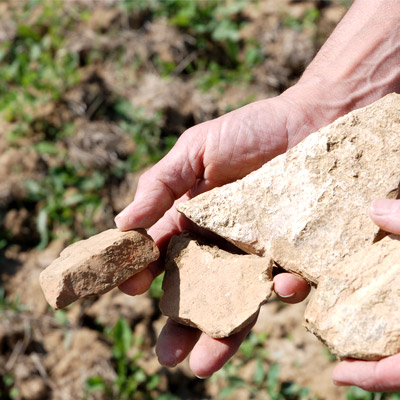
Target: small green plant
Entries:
(132, 381)
(330, 356)
(285, 390)
(221, 56)
(68, 196)
(356, 393)
(151, 146)
(64, 196)
(4, 235)
(252, 346)
(156, 287)
(10, 305)
(35, 69)
(8, 390)
(265, 380)
(309, 20)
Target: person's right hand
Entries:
(209, 155)
(349, 72)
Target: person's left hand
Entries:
(383, 375)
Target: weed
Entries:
(265, 381)
(10, 305)
(63, 196)
(222, 57)
(69, 196)
(156, 287)
(330, 356)
(132, 382)
(147, 135)
(4, 235)
(8, 390)
(252, 346)
(309, 20)
(34, 68)
(355, 393)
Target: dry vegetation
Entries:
(91, 93)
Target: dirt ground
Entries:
(48, 355)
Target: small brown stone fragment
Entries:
(96, 265)
(213, 290)
(356, 307)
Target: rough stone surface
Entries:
(356, 307)
(96, 265)
(308, 208)
(211, 289)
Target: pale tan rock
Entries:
(96, 265)
(308, 208)
(211, 289)
(356, 307)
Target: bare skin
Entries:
(358, 64)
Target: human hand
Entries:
(383, 375)
(209, 155)
(349, 72)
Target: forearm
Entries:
(357, 65)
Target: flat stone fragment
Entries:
(308, 208)
(355, 310)
(213, 290)
(96, 265)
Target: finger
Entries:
(167, 181)
(374, 376)
(210, 355)
(161, 232)
(141, 282)
(175, 343)
(386, 214)
(291, 288)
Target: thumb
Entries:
(167, 181)
(386, 214)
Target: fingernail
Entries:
(340, 377)
(168, 364)
(286, 296)
(382, 207)
(120, 219)
(202, 377)
(340, 383)
(168, 361)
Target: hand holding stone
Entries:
(206, 156)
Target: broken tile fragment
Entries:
(96, 265)
(213, 290)
(355, 310)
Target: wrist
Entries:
(358, 64)
(312, 106)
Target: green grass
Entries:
(265, 382)
(309, 20)
(34, 67)
(10, 305)
(355, 393)
(132, 381)
(8, 389)
(222, 57)
(36, 70)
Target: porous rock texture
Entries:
(356, 308)
(96, 265)
(308, 209)
(211, 289)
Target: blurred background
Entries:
(92, 93)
